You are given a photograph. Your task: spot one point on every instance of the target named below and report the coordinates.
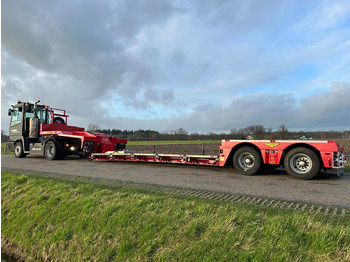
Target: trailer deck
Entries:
(121, 156)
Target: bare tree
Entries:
(4, 136)
(93, 127)
(282, 132)
(180, 133)
(257, 131)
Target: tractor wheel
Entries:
(247, 161)
(53, 151)
(19, 153)
(302, 163)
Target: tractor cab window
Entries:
(42, 115)
(16, 116)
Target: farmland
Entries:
(177, 148)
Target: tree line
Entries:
(250, 132)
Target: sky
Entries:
(205, 66)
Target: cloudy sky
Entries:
(199, 65)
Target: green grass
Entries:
(347, 168)
(167, 142)
(3, 146)
(73, 221)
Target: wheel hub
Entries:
(301, 163)
(246, 160)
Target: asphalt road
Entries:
(324, 190)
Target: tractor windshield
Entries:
(41, 111)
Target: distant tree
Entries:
(93, 127)
(137, 135)
(269, 130)
(4, 137)
(233, 131)
(180, 133)
(282, 132)
(256, 131)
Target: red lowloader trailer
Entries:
(301, 159)
(38, 129)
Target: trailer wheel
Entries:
(247, 161)
(302, 163)
(53, 151)
(19, 153)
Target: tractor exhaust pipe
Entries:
(35, 113)
(34, 123)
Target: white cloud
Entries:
(168, 64)
(329, 110)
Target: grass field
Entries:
(70, 221)
(3, 146)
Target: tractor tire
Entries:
(53, 151)
(247, 161)
(302, 163)
(19, 152)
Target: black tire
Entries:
(302, 163)
(18, 150)
(53, 151)
(59, 120)
(247, 161)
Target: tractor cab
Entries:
(26, 119)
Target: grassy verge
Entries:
(71, 221)
(347, 168)
(168, 142)
(3, 147)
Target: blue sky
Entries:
(199, 65)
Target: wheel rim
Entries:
(50, 150)
(17, 150)
(246, 160)
(301, 163)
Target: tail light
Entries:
(338, 159)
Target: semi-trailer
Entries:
(41, 130)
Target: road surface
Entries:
(325, 190)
